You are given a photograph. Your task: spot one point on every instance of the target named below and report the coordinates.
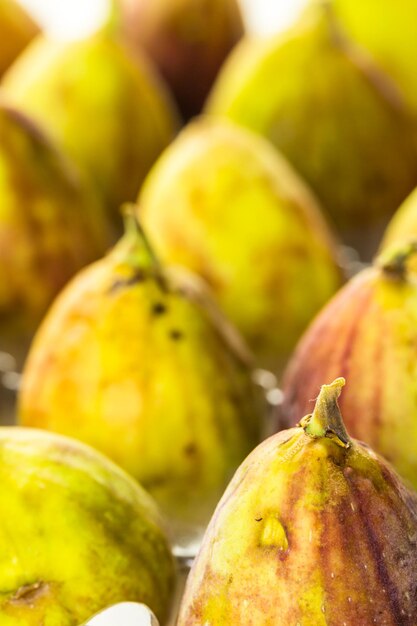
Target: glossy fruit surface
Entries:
(140, 365)
(368, 333)
(221, 202)
(105, 107)
(78, 536)
(347, 114)
(51, 223)
(314, 529)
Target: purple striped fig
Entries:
(367, 333)
(315, 529)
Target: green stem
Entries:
(326, 419)
(395, 259)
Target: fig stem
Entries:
(326, 419)
(395, 259)
(135, 234)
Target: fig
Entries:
(403, 225)
(51, 223)
(223, 203)
(136, 361)
(314, 529)
(79, 534)
(16, 31)
(367, 332)
(346, 129)
(105, 107)
(187, 39)
(388, 31)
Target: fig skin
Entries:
(222, 202)
(16, 31)
(138, 363)
(188, 40)
(51, 223)
(368, 333)
(347, 114)
(79, 534)
(314, 529)
(388, 31)
(104, 106)
(403, 226)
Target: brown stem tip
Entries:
(326, 419)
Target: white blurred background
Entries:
(72, 18)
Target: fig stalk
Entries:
(326, 419)
(394, 260)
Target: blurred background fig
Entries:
(388, 31)
(79, 534)
(188, 40)
(314, 529)
(346, 130)
(368, 333)
(138, 363)
(223, 203)
(17, 29)
(104, 106)
(403, 226)
(51, 224)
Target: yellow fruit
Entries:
(51, 224)
(403, 225)
(16, 31)
(333, 113)
(388, 30)
(368, 333)
(76, 535)
(137, 364)
(105, 107)
(315, 530)
(223, 203)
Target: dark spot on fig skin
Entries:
(190, 449)
(176, 335)
(159, 309)
(29, 593)
(123, 283)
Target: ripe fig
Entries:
(187, 39)
(137, 362)
(388, 30)
(106, 108)
(223, 203)
(79, 534)
(346, 129)
(314, 529)
(368, 333)
(403, 225)
(51, 223)
(16, 31)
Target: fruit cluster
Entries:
(161, 277)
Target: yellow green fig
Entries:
(403, 225)
(16, 31)
(187, 39)
(368, 333)
(223, 203)
(51, 223)
(77, 534)
(388, 30)
(136, 362)
(346, 129)
(106, 107)
(315, 529)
